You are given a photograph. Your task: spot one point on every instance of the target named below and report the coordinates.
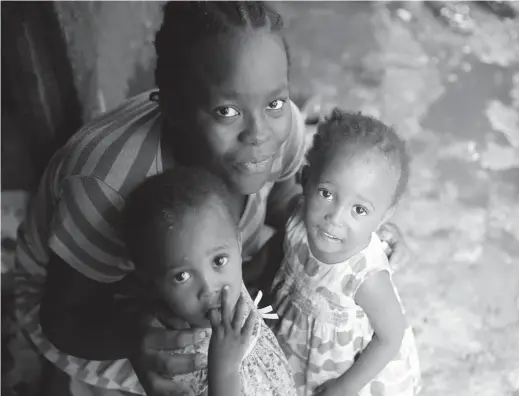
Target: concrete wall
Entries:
(110, 46)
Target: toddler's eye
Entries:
(360, 210)
(326, 194)
(276, 104)
(182, 277)
(227, 112)
(221, 261)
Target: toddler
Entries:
(185, 243)
(342, 325)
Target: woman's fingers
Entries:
(168, 364)
(160, 386)
(400, 255)
(165, 339)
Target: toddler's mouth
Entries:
(217, 308)
(329, 236)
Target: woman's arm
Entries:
(79, 316)
(378, 299)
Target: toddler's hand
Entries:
(230, 339)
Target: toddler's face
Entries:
(346, 199)
(195, 260)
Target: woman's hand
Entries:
(153, 363)
(397, 250)
(332, 387)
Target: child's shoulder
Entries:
(371, 258)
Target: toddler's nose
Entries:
(335, 216)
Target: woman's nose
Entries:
(256, 131)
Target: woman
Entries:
(223, 104)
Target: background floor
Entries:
(455, 98)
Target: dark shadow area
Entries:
(40, 106)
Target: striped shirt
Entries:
(78, 205)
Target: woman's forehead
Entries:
(242, 63)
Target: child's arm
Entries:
(378, 299)
(227, 347)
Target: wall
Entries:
(110, 46)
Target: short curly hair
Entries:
(186, 23)
(364, 133)
(161, 200)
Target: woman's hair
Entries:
(186, 23)
(159, 203)
(362, 133)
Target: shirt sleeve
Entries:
(84, 229)
(299, 141)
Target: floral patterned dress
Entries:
(264, 370)
(321, 329)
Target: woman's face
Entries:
(241, 112)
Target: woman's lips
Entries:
(255, 166)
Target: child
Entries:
(341, 323)
(186, 245)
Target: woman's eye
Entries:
(360, 210)
(182, 277)
(326, 194)
(221, 261)
(227, 112)
(276, 104)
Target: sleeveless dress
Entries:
(264, 370)
(321, 329)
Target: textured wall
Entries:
(110, 46)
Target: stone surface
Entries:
(455, 99)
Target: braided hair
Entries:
(187, 23)
(365, 133)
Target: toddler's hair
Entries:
(161, 201)
(364, 133)
(186, 23)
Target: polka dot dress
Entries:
(321, 329)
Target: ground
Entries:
(455, 99)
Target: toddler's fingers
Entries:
(214, 318)
(239, 313)
(226, 307)
(248, 326)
